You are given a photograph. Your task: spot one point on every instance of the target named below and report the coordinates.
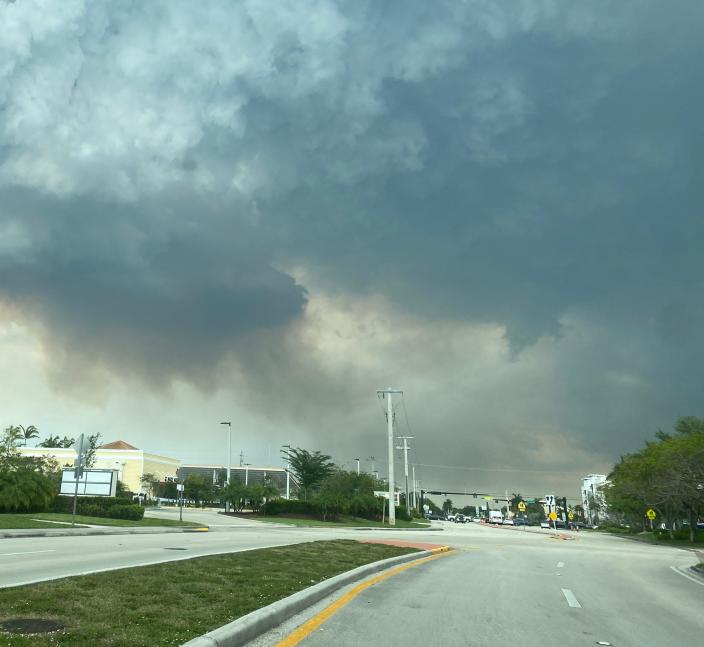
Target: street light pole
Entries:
(405, 449)
(288, 472)
(357, 466)
(229, 458)
(387, 393)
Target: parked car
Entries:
(508, 522)
(545, 524)
(460, 518)
(450, 517)
(518, 521)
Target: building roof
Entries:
(117, 444)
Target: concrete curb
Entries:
(117, 530)
(397, 529)
(241, 631)
(697, 572)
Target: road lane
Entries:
(505, 587)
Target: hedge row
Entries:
(324, 507)
(100, 506)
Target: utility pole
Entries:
(405, 449)
(387, 393)
(415, 502)
(357, 466)
(241, 457)
(229, 457)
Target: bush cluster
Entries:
(330, 508)
(98, 506)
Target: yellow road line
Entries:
(309, 627)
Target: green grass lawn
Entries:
(168, 604)
(700, 566)
(28, 521)
(346, 522)
(21, 521)
(681, 539)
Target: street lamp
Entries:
(288, 471)
(357, 466)
(229, 458)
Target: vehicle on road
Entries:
(508, 522)
(460, 518)
(519, 521)
(495, 516)
(545, 524)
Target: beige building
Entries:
(131, 463)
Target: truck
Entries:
(495, 516)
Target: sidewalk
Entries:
(95, 530)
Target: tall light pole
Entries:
(288, 472)
(387, 393)
(229, 458)
(357, 466)
(405, 449)
(415, 501)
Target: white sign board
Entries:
(91, 482)
(385, 495)
(550, 500)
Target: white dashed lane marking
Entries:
(571, 600)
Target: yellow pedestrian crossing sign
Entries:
(651, 514)
(570, 516)
(521, 506)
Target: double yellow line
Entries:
(309, 627)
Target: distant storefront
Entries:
(247, 474)
(130, 462)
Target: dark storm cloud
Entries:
(531, 165)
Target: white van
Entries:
(495, 516)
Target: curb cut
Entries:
(697, 572)
(80, 532)
(397, 529)
(248, 627)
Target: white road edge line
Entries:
(28, 552)
(560, 564)
(687, 575)
(571, 600)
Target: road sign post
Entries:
(77, 473)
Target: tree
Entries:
(150, 481)
(29, 432)
(447, 506)
(89, 456)
(666, 475)
(26, 483)
(309, 468)
(56, 441)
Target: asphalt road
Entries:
(506, 586)
(502, 584)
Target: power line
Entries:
(498, 469)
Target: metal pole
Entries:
(357, 466)
(246, 473)
(229, 458)
(405, 449)
(415, 502)
(181, 492)
(77, 473)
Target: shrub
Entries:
(126, 511)
(92, 510)
(64, 503)
(25, 490)
(294, 506)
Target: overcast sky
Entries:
(265, 211)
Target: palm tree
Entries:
(13, 436)
(28, 433)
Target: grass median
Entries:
(168, 604)
(60, 520)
